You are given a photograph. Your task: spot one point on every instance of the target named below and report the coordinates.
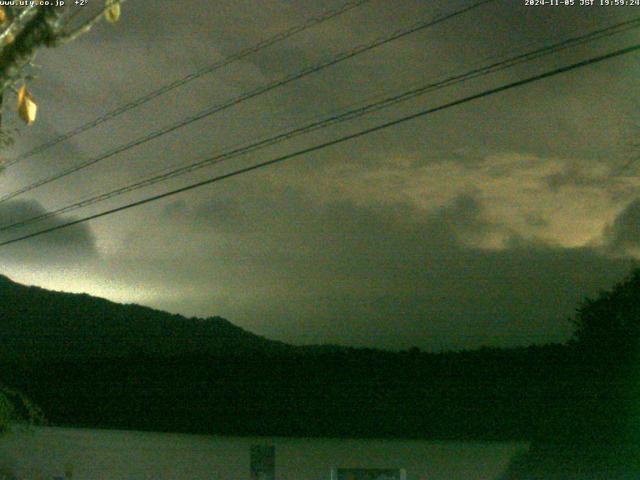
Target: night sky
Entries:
(483, 224)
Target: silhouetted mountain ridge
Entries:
(37, 324)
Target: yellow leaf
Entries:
(112, 14)
(27, 108)
(3, 15)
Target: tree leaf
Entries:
(27, 108)
(112, 14)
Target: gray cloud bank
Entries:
(386, 275)
(75, 244)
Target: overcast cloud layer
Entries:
(484, 224)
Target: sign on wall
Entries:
(368, 474)
(263, 462)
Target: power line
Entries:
(246, 96)
(278, 37)
(339, 118)
(345, 138)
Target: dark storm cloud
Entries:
(624, 233)
(387, 275)
(69, 245)
(572, 175)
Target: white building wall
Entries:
(47, 453)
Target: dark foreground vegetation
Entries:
(89, 362)
(483, 395)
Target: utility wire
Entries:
(339, 140)
(278, 37)
(246, 96)
(339, 118)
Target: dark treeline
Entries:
(486, 394)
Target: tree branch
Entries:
(66, 37)
(17, 25)
(33, 30)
